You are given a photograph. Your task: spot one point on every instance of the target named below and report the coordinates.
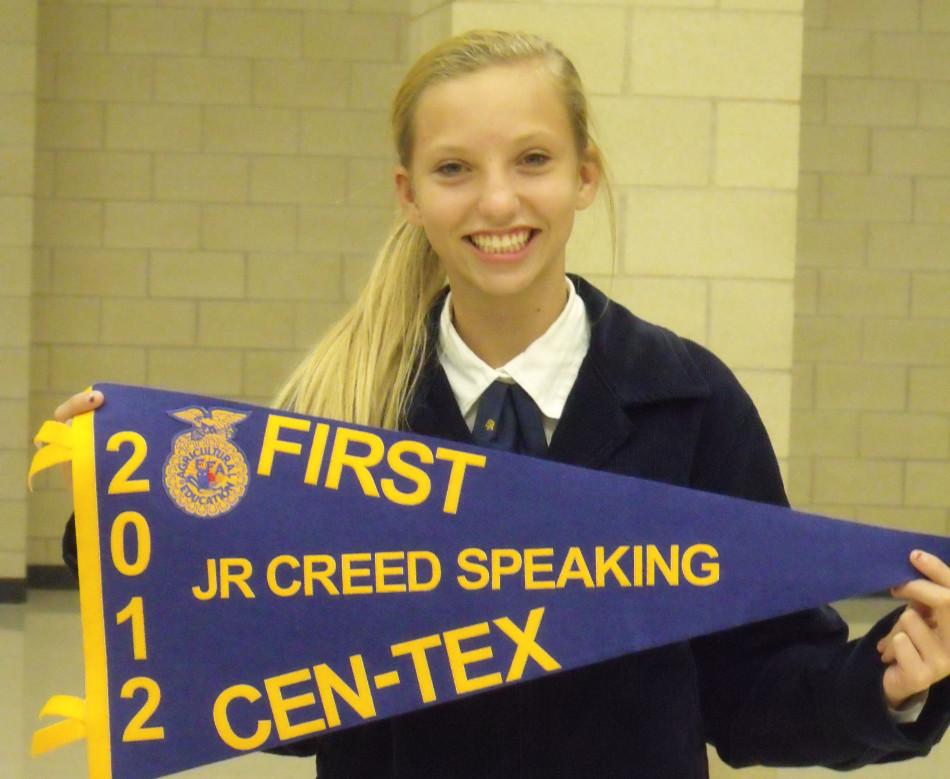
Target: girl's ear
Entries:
(407, 199)
(588, 178)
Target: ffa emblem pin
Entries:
(206, 474)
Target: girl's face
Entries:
(495, 180)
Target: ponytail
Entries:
(365, 368)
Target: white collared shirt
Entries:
(546, 370)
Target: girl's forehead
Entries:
(506, 79)
(499, 102)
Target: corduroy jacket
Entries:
(789, 691)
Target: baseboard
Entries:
(12, 590)
(50, 577)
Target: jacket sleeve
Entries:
(792, 690)
(70, 554)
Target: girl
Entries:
(495, 157)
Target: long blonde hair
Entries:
(364, 370)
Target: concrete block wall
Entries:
(871, 416)
(17, 148)
(696, 105)
(212, 179)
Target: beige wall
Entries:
(871, 419)
(212, 178)
(17, 133)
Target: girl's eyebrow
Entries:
(535, 136)
(447, 150)
(527, 138)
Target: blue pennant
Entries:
(250, 577)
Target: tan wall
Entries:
(871, 419)
(212, 176)
(212, 179)
(17, 132)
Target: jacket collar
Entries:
(630, 364)
(642, 363)
(432, 408)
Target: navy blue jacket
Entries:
(790, 691)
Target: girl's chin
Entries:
(505, 283)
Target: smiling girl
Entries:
(495, 158)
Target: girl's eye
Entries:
(535, 159)
(450, 169)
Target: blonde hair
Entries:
(364, 370)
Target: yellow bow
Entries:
(58, 440)
(72, 728)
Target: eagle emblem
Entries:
(206, 474)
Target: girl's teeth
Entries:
(497, 244)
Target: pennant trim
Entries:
(90, 597)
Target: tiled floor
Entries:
(40, 656)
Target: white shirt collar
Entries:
(546, 370)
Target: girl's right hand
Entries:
(79, 403)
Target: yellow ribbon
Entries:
(72, 728)
(83, 718)
(58, 440)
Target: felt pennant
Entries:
(249, 577)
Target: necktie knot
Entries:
(509, 420)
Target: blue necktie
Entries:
(509, 419)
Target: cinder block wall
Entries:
(17, 132)
(211, 183)
(212, 179)
(871, 417)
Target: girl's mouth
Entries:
(501, 244)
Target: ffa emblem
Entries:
(206, 474)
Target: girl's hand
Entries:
(79, 403)
(917, 650)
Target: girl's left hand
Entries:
(917, 650)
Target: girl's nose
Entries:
(499, 200)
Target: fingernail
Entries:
(917, 555)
